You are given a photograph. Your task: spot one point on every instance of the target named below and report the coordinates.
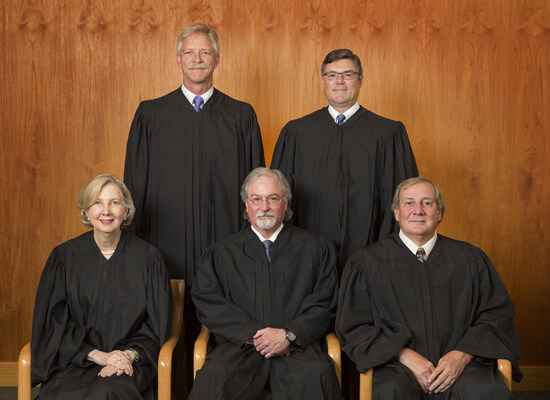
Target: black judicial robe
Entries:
(86, 302)
(344, 176)
(388, 300)
(237, 292)
(184, 170)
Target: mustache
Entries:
(264, 214)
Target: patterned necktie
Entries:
(340, 119)
(267, 245)
(197, 103)
(421, 255)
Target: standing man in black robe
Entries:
(344, 162)
(268, 296)
(186, 156)
(428, 313)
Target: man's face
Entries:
(418, 215)
(266, 204)
(341, 91)
(197, 60)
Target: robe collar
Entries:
(254, 248)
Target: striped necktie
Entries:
(197, 103)
(340, 119)
(268, 244)
(421, 255)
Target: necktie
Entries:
(340, 119)
(421, 255)
(197, 103)
(267, 245)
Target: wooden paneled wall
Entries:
(469, 78)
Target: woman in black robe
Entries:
(102, 306)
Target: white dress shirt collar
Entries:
(413, 247)
(348, 113)
(189, 95)
(273, 237)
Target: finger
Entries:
(448, 382)
(435, 373)
(435, 385)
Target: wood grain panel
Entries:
(469, 78)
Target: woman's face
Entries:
(108, 212)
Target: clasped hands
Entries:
(435, 379)
(116, 362)
(271, 342)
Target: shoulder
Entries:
(137, 245)
(454, 245)
(231, 242)
(152, 105)
(378, 253)
(380, 124)
(77, 243)
(307, 121)
(231, 103)
(467, 253)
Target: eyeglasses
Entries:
(346, 75)
(272, 199)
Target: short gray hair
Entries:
(90, 193)
(275, 173)
(205, 29)
(413, 181)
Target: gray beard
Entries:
(266, 223)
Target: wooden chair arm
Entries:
(505, 369)
(201, 346)
(365, 385)
(24, 389)
(334, 352)
(164, 370)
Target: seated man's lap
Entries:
(480, 380)
(395, 381)
(307, 373)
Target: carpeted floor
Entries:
(10, 393)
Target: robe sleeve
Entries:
(368, 339)
(317, 312)
(253, 142)
(57, 341)
(283, 157)
(155, 328)
(222, 317)
(492, 333)
(395, 163)
(136, 167)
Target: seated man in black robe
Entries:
(428, 313)
(268, 296)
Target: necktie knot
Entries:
(340, 119)
(268, 244)
(421, 255)
(197, 103)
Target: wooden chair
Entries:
(365, 379)
(24, 390)
(201, 347)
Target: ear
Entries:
(396, 214)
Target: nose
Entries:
(105, 209)
(339, 79)
(265, 204)
(418, 209)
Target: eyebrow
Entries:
(339, 72)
